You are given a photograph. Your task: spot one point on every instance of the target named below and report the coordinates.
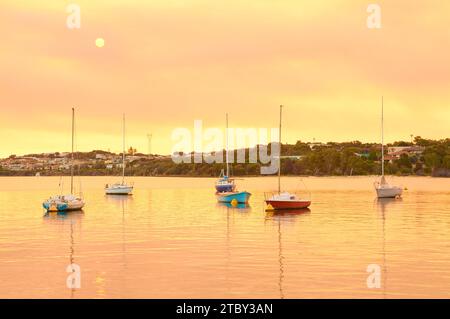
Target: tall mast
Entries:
(279, 158)
(123, 151)
(382, 137)
(226, 155)
(72, 158)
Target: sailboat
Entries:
(225, 187)
(383, 189)
(284, 200)
(120, 188)
(62, 203)
(225, 183)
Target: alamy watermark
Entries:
(73, 20)
(374, 278)
(73, 280)
(374, 19)
(208, 145)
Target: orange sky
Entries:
(166, 63)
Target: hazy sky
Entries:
(167, 63)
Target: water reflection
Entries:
(140, 246)
(241, 207)
(119, 199)
(73, 218)
(122, 202)
(287, 214)
(231, 211)
(382, 206)
(383, 203)
(60, 217)
(283, 217)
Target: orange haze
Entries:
(166, 63)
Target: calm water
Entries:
(171, 239)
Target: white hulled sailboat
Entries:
(69, 202)
(120, 188)
(383, 189)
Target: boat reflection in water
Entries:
(230, 211)
(122, 202)
(284, 217)
(382, 207)
(241, 207)
(63, 219)
(286, 213)
(72, 216)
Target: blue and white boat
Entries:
(63, 203)
(233, 197)
(225, 186)
(224, 183)
(69, 202)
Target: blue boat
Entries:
(225, 184)
(233, 197)
(225, 187)
(58, 207)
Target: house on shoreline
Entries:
(395, 152)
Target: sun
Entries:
(100, 42)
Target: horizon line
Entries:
(235, 149)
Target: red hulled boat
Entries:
(284, 200)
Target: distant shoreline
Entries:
(235, 177)
(421, 157)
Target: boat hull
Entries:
(63, 207)
(229, 197)
(119, 190)
(287, 204)
(390, 192)
(221, 188)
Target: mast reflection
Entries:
(382, 205)
(74, 219)
(284, 217)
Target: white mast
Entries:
(382, 138)
(226, 155)
(72, 158)
(123, 152)
(279, 158)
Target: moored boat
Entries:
(118, 189)
(225, 187)
(284, 200)
(62, 203)
(121, 188)
(383, 188)
(224, 183)
(233, 197)
(70, 202)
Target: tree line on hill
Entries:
(339, 159)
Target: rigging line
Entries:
(306, 187)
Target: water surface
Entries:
(172, 240)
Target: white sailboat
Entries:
(225, 183)
(284, 200)
(120, 188)
(62, 203)
(383, 189)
